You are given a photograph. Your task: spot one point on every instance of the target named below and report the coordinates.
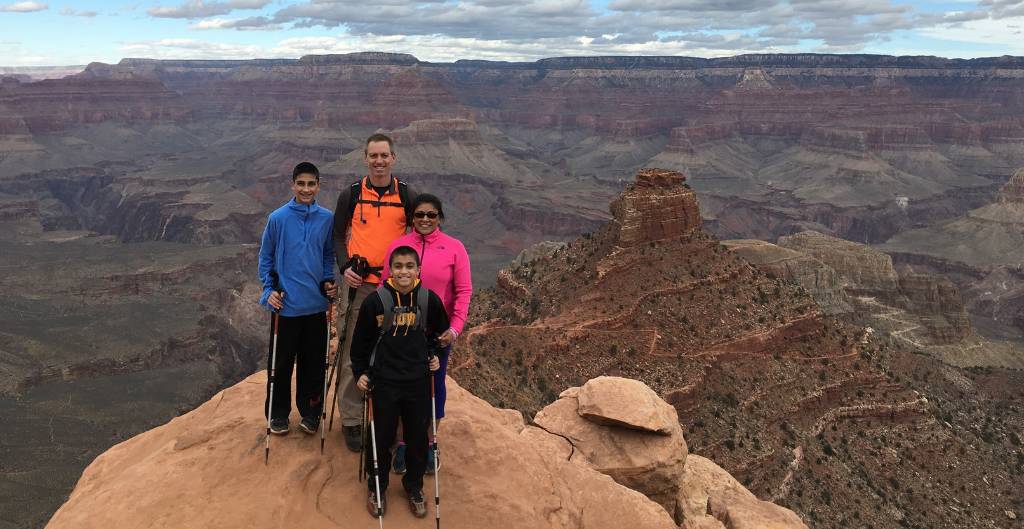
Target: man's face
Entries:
(305, 186)
(379, 159)
(404, 271)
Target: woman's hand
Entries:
(435, 363)
(364, 383)
(446, 338)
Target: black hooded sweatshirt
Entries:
(403, 353)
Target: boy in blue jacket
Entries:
(297, 253)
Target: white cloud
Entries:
(189, 49)
(202, 8)
(251, 23)
(68, 12)
(15, 55)
(1005, 32)
(437, 48)
(24, 7)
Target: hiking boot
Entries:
(279, 426)
(417, 505)
(399, 466)
(353, 437)
(430, 462)
(310, 424)
(371, 503)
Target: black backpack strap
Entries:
(422, 302)
(403, 197)
(389, 318)
(354, 192)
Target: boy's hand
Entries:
(331, 289)
(364, 383)
(276, 300)
(446, 338)
(435, 363)
(352, 279)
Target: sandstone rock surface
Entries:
(205, 469)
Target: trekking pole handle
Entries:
(276, 287)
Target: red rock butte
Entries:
(657, 206)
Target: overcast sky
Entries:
(41, 32)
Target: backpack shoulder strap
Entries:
(403, 197)
(389, 309)
(422, 302)
(389, 317)
(354, 192)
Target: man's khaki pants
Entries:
(350, 399)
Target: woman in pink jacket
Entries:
(444, 268)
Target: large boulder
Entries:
(649, 462)
(617, 401)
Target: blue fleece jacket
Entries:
(297, 244)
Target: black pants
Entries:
(301, 341)
(409, 402)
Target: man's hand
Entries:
(446, 338)
(276, 300)
(352, 279)
(435, 363)
(364, 383)
(334, 344)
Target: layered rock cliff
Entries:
(979, 251)
(846, 277)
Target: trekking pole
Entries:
(362, 441)
(437, 481)
(376, 470)
(273, 373)
(327, 355)
(361, 267)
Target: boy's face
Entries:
(404, 271)
(305, 186)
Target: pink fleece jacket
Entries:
(444, 268)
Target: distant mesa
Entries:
(1013, 191)
(364, 57)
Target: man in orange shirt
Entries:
(371, 213)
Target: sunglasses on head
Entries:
(427, 214)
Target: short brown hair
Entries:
(380, 137)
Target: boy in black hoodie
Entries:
(394, 364)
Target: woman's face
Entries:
(425, 219)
